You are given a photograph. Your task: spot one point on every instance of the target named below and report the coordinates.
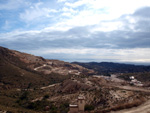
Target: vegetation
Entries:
(23, 89)
(89, 107)
(121, 106)
(109, 67)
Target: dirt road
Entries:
(133, 88)
(144, 108)
(40, 67)
(50, 86)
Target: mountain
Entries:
(109, 67)
(32, 84)
(22, 70)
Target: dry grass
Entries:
(134, 103)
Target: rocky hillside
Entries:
(26, 70)
(32, 84)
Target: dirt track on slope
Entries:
(144, 108)
(132, 88)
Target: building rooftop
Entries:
(71, 105)
(81, 97)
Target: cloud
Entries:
(35, 12)
(77, 44)
(13, 4)
(98, 13)
(61, 0)
(138, 21)
(143, 12)
(78, 37)
(90, 54)
(116, 7)
(77, 3)
(81, 29)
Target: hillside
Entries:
(32, 84)
(109, 67)
(25, 70)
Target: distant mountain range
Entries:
(110, 67)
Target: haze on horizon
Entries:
(78, 30)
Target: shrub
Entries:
(24, 96)
(89, 107)
(46, 96)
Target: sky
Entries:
(78, 30)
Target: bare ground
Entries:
(144, 108)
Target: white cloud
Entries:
(70, 10)
(91, 12)
(108, 26)
(77, 3)
(15, 35)
(94, 12)
(88, 25)
(66, 51)
(61, 0)
(35, 12)
(119, 55)
(115, 6)
(100, 13)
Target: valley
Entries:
(32, 84)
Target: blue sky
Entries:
(78, 30)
